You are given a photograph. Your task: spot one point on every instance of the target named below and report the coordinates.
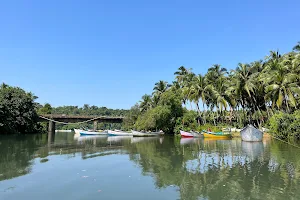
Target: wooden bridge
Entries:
(76, 119)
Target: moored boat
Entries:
(92, 133)
(186, 134)
(251, 134)
(221, 135)
(144, 134)
(118, 133)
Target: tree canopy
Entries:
(251, 93)
(17, 111)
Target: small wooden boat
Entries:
(118, 133)
(144, 134)
(87, 133)
(186, 134)
(251, 134)
(221, 135)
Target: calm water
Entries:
(146, 168)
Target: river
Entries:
(146, 168)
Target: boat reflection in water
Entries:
(118, 138)
(185, 141)
(145, 139)
(252, 150)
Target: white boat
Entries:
(92, 137)
(144, 134)
(118, 133)
(251, 134)
(92, 133)
(186, 134)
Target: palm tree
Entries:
(160, 87)
(282, 88)
(145, 103)
(199, 91)
(181, 74)
(297, 47)
(187, 89)
(216, 71)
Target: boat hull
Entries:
(87, 133)
(251, 134)
(185, 134)
(208, 135)
(141, 134)
(118, 133)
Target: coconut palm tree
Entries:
(187, 89)
(145, 103)
(181, 75)
(297, 47)
(216, 71)
(199, 92)
(282, 89)
(160, 87)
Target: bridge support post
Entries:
(95, 125)
(51, 131)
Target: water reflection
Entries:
(252, 150)
(196, 168)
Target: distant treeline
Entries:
(88, 110)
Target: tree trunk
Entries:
(204, 113)
(197, 104)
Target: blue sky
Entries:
(111, 52)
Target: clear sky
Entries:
(111, 52)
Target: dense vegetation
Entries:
(17, 111)
(285, 125)
(251, 93)
(88, 110)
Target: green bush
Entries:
(285, 126)
(17, 111)
(212, 127)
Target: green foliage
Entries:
(285, 126)
(131, 117)
(164, 115)
(46, 109)
(209, 126)
(17, 111)
(187, 122)
(88, 110)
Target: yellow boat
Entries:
(220, 135)
(209, 139)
